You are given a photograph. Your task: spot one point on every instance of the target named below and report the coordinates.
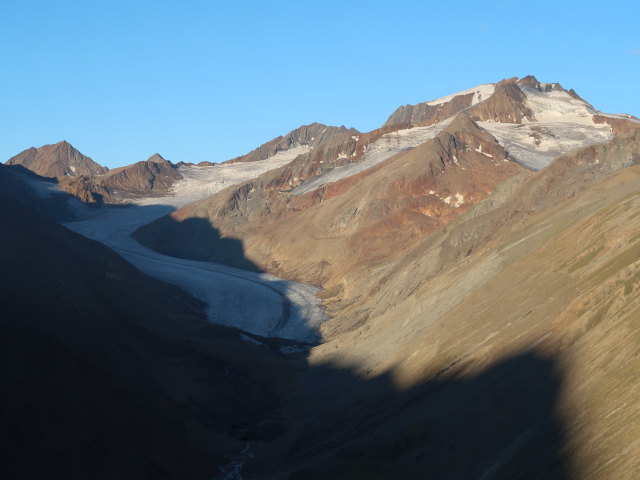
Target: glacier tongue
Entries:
(536, 145)
(258, 303)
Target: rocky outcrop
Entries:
(315, 135)
(506, 105)
(85, 188)
(428, 113)
(57, 160)
(154, 176)
(387, 208)
(618, 124)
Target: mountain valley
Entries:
(451, 295)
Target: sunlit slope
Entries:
(562, 281)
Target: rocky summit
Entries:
(451, 295)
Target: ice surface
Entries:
(202, 182)
(258, 303)
(557, 106)
(562, 123)
(385, 147)
(536, 145)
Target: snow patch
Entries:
(562, 123)
(201, 182)
(557, 106)
(480, 93)
(479, 150)
(459, 200)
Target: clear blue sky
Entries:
(208, 80)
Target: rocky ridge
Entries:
(57, 160)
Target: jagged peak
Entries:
(157, 158)
(463, 120)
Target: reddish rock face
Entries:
(378, 213)
(84, 188)
(425, 114)
(57, 160)
(619, 125)
(315, 135)
(507, 104)
(154, 176)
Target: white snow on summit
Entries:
(557, 106)
(480, 93)
(562, 123)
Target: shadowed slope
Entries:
(111, 373)
(196, 239)
(498, 423)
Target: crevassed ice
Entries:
(258, 303)
(562, 123)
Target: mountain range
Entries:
(451, 295)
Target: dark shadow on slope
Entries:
(110, 373)
(35, 192)
(498, 424)
(194, 239)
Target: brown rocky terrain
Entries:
(57, 160)
(483, 317)
(543, 307)
(551, 271)
(618, 125)
(358, 219)
(85, 188)
(154, 176)
(426, 114)
(81, 177)
(308, 135)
